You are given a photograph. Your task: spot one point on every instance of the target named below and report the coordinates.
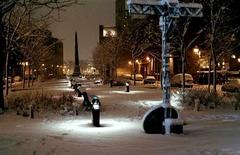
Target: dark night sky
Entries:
(84, 19)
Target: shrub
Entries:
(42, 101)
(202, 96)
(235, 100)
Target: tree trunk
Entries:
(214, 73)
(214, 65)
(183, 54)
(209, 74)
(23, 82)
(33, 75)
(134, 72)
(6, 75)
(29, 76)
(183, 75)
(1, 63)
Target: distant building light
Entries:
(239, 60)
(109, 32)
(43, 65)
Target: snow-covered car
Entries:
(99, 81)
(119, 82)
(126, 76)
(232, 85)
(149, 80)
(138, 77)
(177, 79)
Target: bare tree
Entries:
(219, 21)
(106, 55)
(142, 36)
(32, 5)
(182, 39)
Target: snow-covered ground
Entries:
(207, 132)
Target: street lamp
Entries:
(138, 67)
(148, 67)
(131, 67)
(233, 56)
(148, 59)
(129, 62)
(197, 52)
(239, 60)
(24, 64)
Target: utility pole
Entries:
(167, 10)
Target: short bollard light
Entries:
(96, 111)
(127, 87)
(78, 91)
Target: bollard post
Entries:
(127, 87)
(111, 83)
(31, 108)
(79, 93)
(96, 111)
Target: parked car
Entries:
(177, 79)
(138, 77)
(17, 78)
(119, 82)
(99, 81)
(233, 85)
(126, 76)
(149, 80)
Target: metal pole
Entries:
(164, 23)
(165, 62)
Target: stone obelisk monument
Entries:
(76, 66)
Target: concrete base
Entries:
(153, 121)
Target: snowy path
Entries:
(121, 133)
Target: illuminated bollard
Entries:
(78, 92)
(96, 111)
(127, 87)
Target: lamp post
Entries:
(130, 64)
(24, 64)
(148, 66)
(58, 71)
(138, 68)
(197, 52)
(233, 56)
